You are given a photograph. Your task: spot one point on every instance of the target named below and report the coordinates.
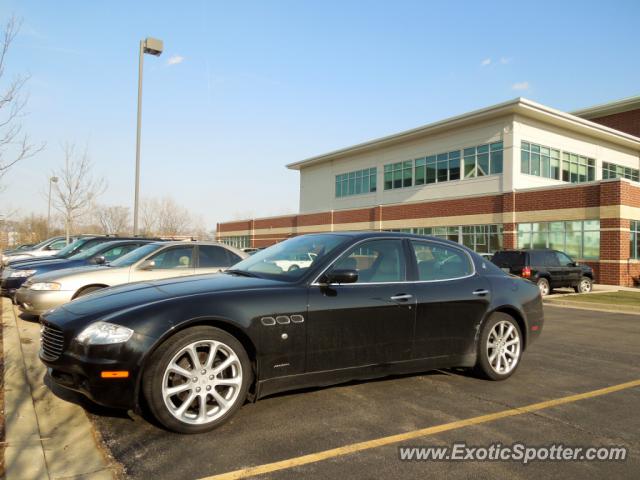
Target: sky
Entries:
(245, 87)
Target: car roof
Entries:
(375, 234)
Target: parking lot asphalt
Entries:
(579, 351)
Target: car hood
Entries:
(123, 297)
(14, 261)
(35, 264)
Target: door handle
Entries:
(403, 297)
(481, 292)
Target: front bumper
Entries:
(79, 368)
(36, 302)
(10, 286)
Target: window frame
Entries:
(416, 272)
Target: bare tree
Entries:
(76, 189)
(174, 219)
(165, 217)
(14, 143)
(113, 219)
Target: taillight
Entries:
(526, 272)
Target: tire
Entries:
(293, 268)
(543, 286)
(198, 382)
(87, 291)
(585, 285)
(488, 367)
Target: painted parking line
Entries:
(403, 437)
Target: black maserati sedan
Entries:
(365, 305)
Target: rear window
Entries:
(509, 259)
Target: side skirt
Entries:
(367, 372)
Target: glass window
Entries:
(440, 262)
(116, 252)
(634, 238)
(580, 239)
(358, 182)
(210, 256)
(58, 245)
(376, 261)
(174, 257)
(420, 174)
(240, 241)
(564, 260)
(431, 169)
(545, 162)
(611, 170)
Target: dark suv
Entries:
(548, 269)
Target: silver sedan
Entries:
(150, 262)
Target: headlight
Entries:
(45, 286)
(22, 273)
(104, 333)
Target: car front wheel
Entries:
(500, 347)
(197, 379)
(585, 285)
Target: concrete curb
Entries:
(47, 437)
(594, 307)
(24, 453)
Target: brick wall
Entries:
(628, 122)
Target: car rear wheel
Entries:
(197, 379)
(500, 347)
(543, 285)
(585, 285)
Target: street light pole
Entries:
(151, 46)
(52, 180)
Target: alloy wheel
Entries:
(585, 286)
(202, 382)
(503, 347)
(544, 288)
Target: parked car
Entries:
(295, 261)
(546, 268)
(18, 248)
(100, 253)
(49, 247)
(152, 261)
(368, 305)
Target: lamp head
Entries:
(152, 46)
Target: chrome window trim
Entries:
(473, 265)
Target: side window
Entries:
(210, 256)
(176, 257)
(564, 259)
(116, 252)
(551, 260)
(537, 259)
(440, 262)
(376, 261)
(58, 245)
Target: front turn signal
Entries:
(114, 374)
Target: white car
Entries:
(48, 248)
(295, 261)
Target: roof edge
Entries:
(609, 108)
(516, 105)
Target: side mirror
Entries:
(100, 260)
(148, 265)
(339, 276)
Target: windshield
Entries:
(291, 259)
(136, 255)
(88, 253)
(70, 249)
(42, 244)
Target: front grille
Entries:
(52, 341)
